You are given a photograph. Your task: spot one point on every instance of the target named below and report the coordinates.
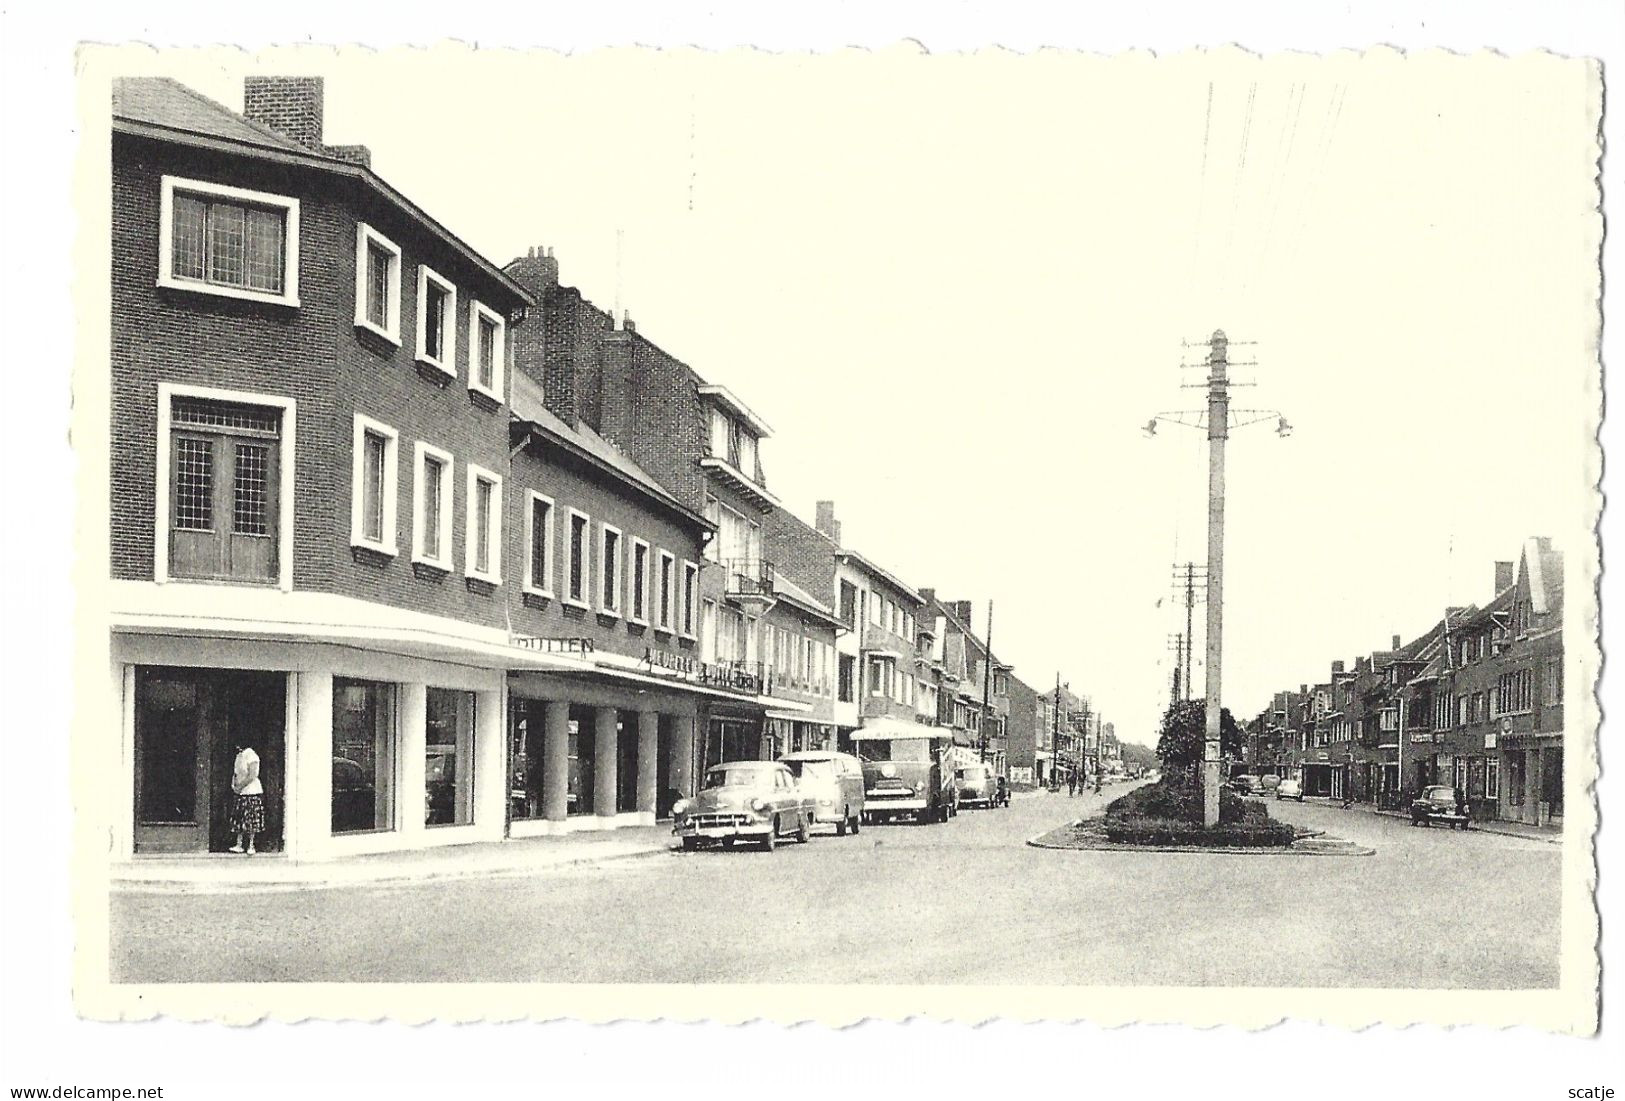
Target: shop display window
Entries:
(448, 766)
(364, 755)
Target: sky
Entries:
(958, 286)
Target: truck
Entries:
(907, 772)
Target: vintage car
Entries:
(1289, 789)
(1437, 803)
(1246, 784)
(976, 785)
(744, 800)
(834, 782)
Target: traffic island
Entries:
(1167, 817)
(1093, 833)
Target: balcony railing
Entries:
(750, 577)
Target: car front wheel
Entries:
(804, 832)
(772, 838)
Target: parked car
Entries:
(906, 772)
(1269, 782)
(1437, 803)
(976, 785)
(744, 800)
(834, 781)
(1289, 789)
(1246, 785)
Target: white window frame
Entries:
(167, 393)
(447, 362)
(493, 526)
(365, 235)
(585, 599)
(634, 614)
(166, 240)
(611, 575)
(476, 311)
(420, 452)
(688, 600)
(666, 601)
(544, 586)
(390, 489)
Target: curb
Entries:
(1320, 846)
(394, 879)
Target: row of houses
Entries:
(1475, 702)
(462, 555)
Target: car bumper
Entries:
(883, 806)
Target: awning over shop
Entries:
(889, 730)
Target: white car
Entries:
(1289, 789)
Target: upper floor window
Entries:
(665, 591)
(539, 539)
(691, 584)
(222, 477)
(437, 313)
(483, 557)
(431, 507)
(486, 333)
(639, 582)
(577, 553)
(609, 571)
(373, 485)
(228, 241)
(377, 283)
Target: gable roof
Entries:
(165, 109)
(1544, 566)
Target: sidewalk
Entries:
(218, 873)
(1507, 829)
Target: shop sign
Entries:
(1489, 741)
(743, 678)
(1021, 775)
(1419, 737)
(554, 645)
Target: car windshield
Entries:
(739, 776)
(812, 770)
(975, 772)
(896, 749)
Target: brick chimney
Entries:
(1505, 575)
(1337, 667)
(617, 386)
(961, 610)
(290, 105)
(1395, 646)
(537, 271)
(927, 595)
(825, 521)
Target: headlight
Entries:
(826, 802)
(919, 789)
(758, 805)
(680, 807)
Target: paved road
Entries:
(962, 902)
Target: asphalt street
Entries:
(962, 902)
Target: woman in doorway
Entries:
(248, 811)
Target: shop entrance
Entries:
(188, 725)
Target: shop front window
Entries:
(582, 763)
(364, 745)
(525, 760)
(448, 766)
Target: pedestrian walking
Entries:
(1072, 784)
(248, 810)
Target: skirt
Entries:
(248, 815)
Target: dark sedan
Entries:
(1438, 804)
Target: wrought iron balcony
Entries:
(750, 579)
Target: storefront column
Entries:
(308, 809)
(682, 754)
(648, 760)
(606, 759)
(555, 760)
(490, 762)
(411, 736)
(1536, 786)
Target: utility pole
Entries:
(1188, 579)
(1177, 643)
(1217, 420)
(1055, 736)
